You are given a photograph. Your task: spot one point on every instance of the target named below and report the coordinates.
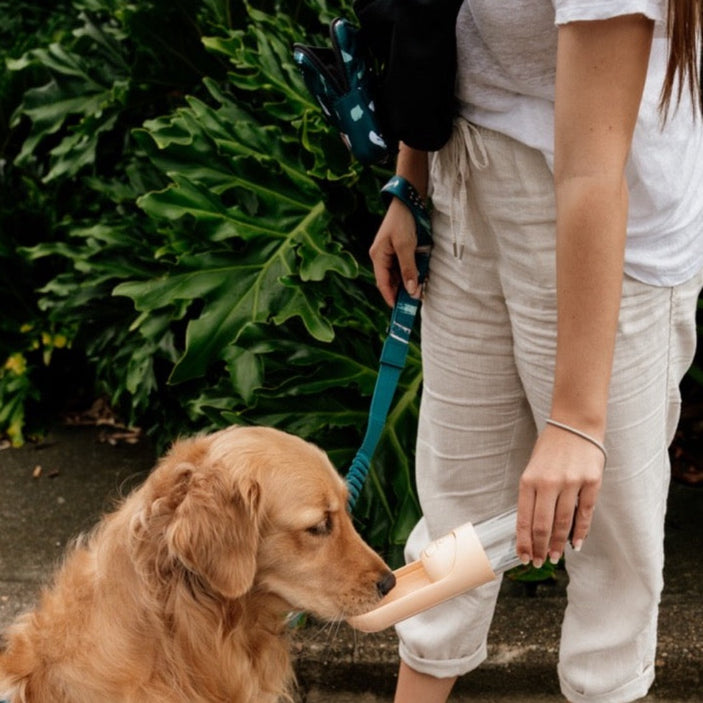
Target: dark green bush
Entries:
(184, 234)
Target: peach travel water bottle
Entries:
(467, 557)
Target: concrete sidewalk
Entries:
(51, 491)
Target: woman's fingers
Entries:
(393, 253)
(525, 512)
(385, 271)
(557, 498)
(563, 521)
(584, 515)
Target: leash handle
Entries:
(401, 188)
(395, 347)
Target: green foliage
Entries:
(25, 216)
(258, 234)
(530, 574)
(112, 70)
(202, 244)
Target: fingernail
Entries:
(525, 559)
(537, 563)
(554, 557)
(411, 286)
(577, 545)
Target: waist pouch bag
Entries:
(340, 78)
(413, 43)
(389, 80)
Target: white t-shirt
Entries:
(506, 51)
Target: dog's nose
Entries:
(386, 583)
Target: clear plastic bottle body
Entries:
(498, 539)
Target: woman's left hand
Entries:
(558, 492)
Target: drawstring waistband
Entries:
(464, 150)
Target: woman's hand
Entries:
(393, 252)
(558, 491)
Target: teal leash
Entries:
(395, 347)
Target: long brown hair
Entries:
(684, 27)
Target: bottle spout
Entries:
(447, 567)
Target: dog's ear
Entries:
(214, 531)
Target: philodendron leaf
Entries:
(245, 371)
(263, 231)
(85, 95)
(270, 71)
(239, 289)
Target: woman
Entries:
(559, 317)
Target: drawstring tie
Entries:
(464, 150)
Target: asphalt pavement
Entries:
(53, 490)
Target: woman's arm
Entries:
(601, 69)
(393, 250)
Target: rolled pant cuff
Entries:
(443, 668)
(631, 691)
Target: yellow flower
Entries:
(54, 341)
(15, 434)
(17, 364)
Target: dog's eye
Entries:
(322, 528)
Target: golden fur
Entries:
(181, 594)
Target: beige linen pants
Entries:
(488, 343)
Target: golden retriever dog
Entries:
(181, 595)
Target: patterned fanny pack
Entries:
(342, 82)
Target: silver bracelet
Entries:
(583, 435)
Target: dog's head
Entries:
(256, 509)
